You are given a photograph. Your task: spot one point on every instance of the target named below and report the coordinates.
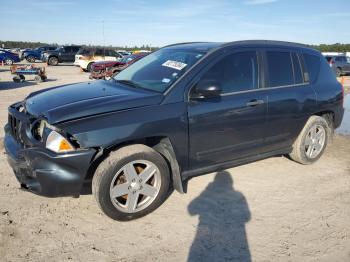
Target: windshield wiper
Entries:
(129, 83)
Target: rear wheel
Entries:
(131, 182)
(338, 72)
(8, 61)
(53, 61)
(30, 59)
(312, 141)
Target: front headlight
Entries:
(57, 143)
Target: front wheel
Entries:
(312, 141)
(131, 182)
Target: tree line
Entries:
(23, 44)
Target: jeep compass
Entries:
(182, 111)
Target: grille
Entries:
(15, 126)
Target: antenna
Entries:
(103, 36)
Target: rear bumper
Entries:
(46, 173)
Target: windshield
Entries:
(128, 58)
(159, 70)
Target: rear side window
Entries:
(75, 49)
(312, 63)
(236, 72)
(280, 68)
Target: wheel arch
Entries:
(328, 115)
(161, 144)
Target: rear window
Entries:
(280, 68)
(84, 51)
(312, 63)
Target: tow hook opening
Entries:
(24, 187)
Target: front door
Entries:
(230, 126)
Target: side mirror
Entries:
(207, 89)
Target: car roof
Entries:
(206, 46)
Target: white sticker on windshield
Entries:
(174, 64)
(166, 80)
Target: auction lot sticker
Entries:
(174, 64)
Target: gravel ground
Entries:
(270, 210)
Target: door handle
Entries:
(255, 102)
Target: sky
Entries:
(161, 22)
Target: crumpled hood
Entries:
(85, 99)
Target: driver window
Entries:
(235, 72)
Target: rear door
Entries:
(65, 54)
(232, 125)
(291, 98)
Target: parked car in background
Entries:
(60, 55)
(339, 63)
(185, 110)
(87, 56)
(8, 57)
(123, 52)
(31, 55)
(106, 69)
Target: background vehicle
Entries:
(8, 57)
(123, 52)
(87, 56)
(105, 70)
(60, 55)
(340, 64)
(182, 111)
(35, 54)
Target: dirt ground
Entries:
(271, 210)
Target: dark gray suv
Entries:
(185, 110)
(340, 64)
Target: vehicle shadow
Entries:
(7, 85)
(223, 213)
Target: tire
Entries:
(9, 61)
(30, 59)
(312, 141)
(338, 72)
(53, 61)
(110, 175)
(16, 79)
(38, 79)
(89, 67)
(22, 77)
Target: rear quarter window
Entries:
(312, 64)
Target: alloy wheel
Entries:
(315, 141)
(135, 186)
(8, 62)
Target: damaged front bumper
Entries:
(46, 173)
(38, 169)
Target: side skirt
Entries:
(186, 175)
